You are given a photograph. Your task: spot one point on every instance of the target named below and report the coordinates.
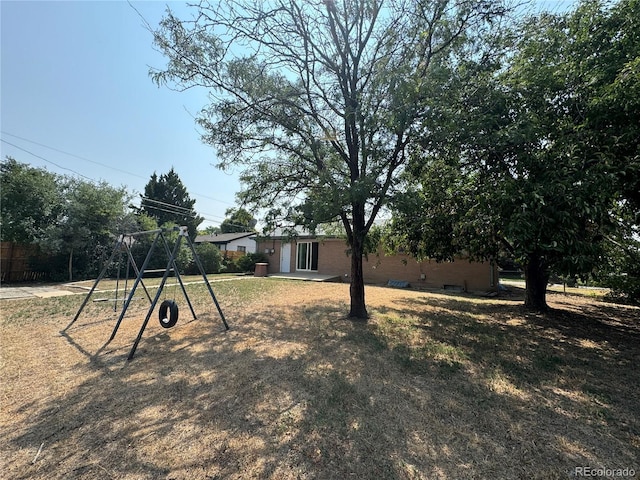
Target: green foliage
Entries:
(537, 153)
(160, 257)
(166, 199)
(229, 265)
(72, 221)
(210, 257)
(85, 234)
(238, 220)
(316, 102)
(31, 199)
(210, 230)
(247, 263)
(620, 268)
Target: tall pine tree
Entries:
(166, 199)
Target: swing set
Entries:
(168, 311)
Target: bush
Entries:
(230, 266)
(625, 288)
(210, 257)
(248, 262)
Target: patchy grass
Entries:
(597, 293)
(110, 284)
(433, 386)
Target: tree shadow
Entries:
(301, 393)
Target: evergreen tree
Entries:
(167, 201)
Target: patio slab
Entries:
(33, 291)
(306, 276)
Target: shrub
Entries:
(625, 288)
(248, 262)
(230, 266)
(210, 257)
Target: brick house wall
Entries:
(380, 268)
(273, 257)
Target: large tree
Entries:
(30, 200)
(94, 214)
(317, 101)
(167, 201)
(71, 220)
(237, 220)
(545, 161)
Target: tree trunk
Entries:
(536, 277)
(358, 308)
(71, 265)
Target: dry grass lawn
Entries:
(434, 386)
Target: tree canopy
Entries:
(31, 199)
(71, 220)
(317, 102)
(545, 159)
(167, 201)
(237, 220)
(94, 215)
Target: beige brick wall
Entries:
(470, 276)
(272, 258)
(333, 258)
(380, 268)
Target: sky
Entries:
(76, 99)
(75, 83)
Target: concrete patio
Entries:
(307, 276)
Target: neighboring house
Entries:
(231, 242)
(329, 256)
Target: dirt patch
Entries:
(433, 386)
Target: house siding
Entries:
(227, 243)
(248, 242)
(379, 268)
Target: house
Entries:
(231, 242)
(326, 255)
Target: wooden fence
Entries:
(232, 255)
(14, 263)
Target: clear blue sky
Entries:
(74, 78)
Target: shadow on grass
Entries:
(431, 388)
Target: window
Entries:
(242, 248)
(307, 258)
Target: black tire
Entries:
(172, 319)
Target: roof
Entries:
(297, 232)
(223, 238)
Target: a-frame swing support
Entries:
(171, 264)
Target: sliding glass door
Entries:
(307, 258)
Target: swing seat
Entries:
(115, 299)
(170, 307)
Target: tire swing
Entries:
(168, 321)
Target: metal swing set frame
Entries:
(124, 243)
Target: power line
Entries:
(49, 161)
(176, 210)
(90, 161)
(172, 209)
(195, 194)
(73, 155)
(176, 207)
(173, 212)
(171, 205)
